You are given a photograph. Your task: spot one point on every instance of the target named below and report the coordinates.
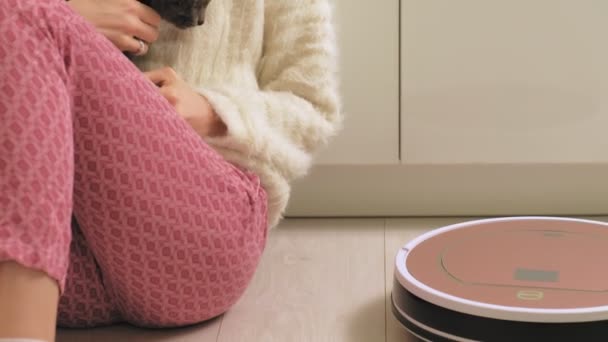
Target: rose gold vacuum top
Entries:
(534, 263)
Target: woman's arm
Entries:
(29, 302)
(297, 108)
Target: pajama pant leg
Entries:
(106, 189)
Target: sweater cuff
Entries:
(229, 113)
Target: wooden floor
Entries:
(320, 280)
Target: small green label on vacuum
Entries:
(525, 274)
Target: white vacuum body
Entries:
(506, 279)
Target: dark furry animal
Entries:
(181, 13)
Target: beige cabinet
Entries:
(504, 81)
(503, 110)
(368, 35)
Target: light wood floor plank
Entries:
(320, 280)
(206, 332)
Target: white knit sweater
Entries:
(268, 68)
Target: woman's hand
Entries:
(190, 105)
(120, 21)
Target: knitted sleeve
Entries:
(296, 108)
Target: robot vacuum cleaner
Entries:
(505, 279)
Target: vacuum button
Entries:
(530, 295)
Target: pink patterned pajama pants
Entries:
(168, 233)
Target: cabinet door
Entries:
(518, 82)
(368, 34)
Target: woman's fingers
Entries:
(142, 47)
(170, 94)
(125, 42)
(143, 23)
(155, 76)
(135, 27)
(162, 76)
(121, 21)
(148, 15)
